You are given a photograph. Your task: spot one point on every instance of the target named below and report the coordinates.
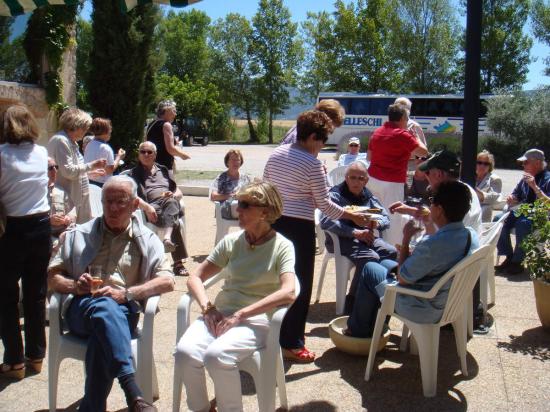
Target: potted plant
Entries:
(537, 255)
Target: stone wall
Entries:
(34, 98)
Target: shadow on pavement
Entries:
(532, 342)
(398, 383)
(322, 312)
(71, 408)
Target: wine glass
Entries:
(96, 273)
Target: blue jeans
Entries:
(108, 327)
(522, 225)
(370, 289)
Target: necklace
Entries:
(252, 244)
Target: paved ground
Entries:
(508, 369)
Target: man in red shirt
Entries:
(389, 151)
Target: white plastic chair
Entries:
(222, 225)
(337, 175)
(487, 276)
(265, 365)
(426, 336)
(64, 345)
(343, 268)
(95, 201)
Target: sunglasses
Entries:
(423, 158)
(243, 204)
(483, 163)
(50, 168)
(360, 178)
(353, 145)
(146, 152)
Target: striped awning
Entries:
(16, 7)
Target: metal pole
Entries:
(471, 89)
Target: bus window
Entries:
(379, 107)
(418, 107)
(359, 107)
(345, 102)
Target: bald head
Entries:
(356, 177)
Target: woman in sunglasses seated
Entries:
(260, 263)
(488, 184)
(159, 198)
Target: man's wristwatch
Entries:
(129, 295)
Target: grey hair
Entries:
(163, 105)
(121, 180)
(403, 101)
(148, 143)
(358, 165)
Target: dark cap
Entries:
(443, 160)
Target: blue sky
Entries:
(220, 8)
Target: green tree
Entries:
(183, 37)
(364, 56)
(505, 48)
(5, 24)
(233, 67)
(540, 17)
(122, 69)
(277, 52)
(84, 41)
(198, 99)
(317, 36)
(13, 61)
(429, 33)
(520, 118)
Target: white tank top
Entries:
(24, 179)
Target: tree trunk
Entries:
(270, 126)
(251, 130)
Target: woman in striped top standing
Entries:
(300, 177)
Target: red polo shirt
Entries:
(391, 149)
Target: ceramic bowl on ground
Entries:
(350, 344)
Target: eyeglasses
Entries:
(119, 203)
(360, 178)
(483, 163)
(243, 204)
(146, 152)
(50, 168)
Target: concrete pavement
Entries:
(508, 369)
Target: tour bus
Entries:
(437, 114)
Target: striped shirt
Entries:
(301, 180)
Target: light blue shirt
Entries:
(431, 259)
(346, 159)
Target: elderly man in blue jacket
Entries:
(133, 267)
(359, 244)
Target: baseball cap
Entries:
(532, 154)
(354, 140)
(444, 160)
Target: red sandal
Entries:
(301, 355)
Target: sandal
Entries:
(301, 355)
(180, 270)
(34, 364)
(9, 371)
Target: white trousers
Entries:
(199, 349)
(388, 193)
